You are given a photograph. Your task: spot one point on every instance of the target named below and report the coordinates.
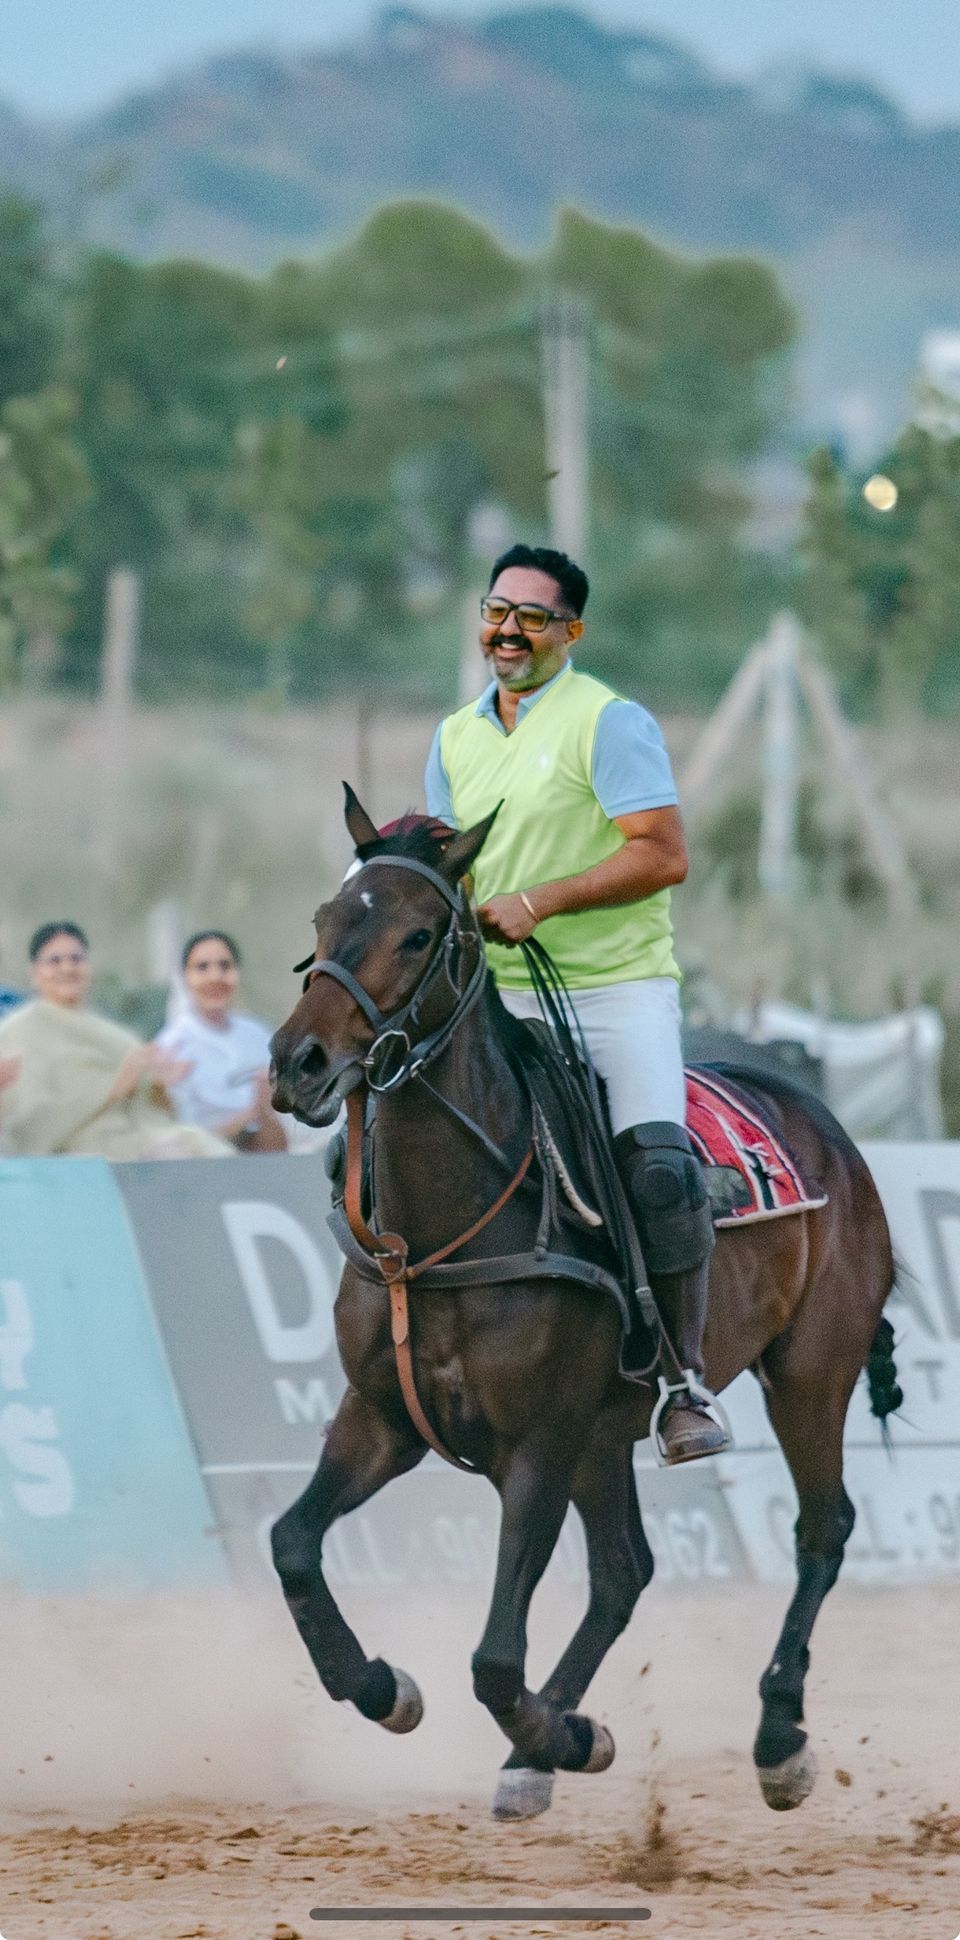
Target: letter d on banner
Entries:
(249, 1221)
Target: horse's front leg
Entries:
(362, 1452)
(535, 1492)
(621, 1565)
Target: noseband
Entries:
(390, 1027)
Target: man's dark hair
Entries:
(209, 936)
(571, 579)
(46, 933)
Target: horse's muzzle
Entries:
(305, 1082)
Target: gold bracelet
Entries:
(528, 906)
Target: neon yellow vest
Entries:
(551, 825)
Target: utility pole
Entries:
(778, 805)
(564, 330)
(116, 693)
(488, 534)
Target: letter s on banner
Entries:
(27, 1436)
(249, 1220)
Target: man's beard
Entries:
(524, 667)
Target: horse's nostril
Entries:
(312, 1061)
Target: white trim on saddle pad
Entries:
(771, 1212)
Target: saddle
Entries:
(749, 1170)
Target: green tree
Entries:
(292, 463)
(28, 302)
(833, 555)
(156, 356)
(881, 589)
(42, 477)
(437, 331)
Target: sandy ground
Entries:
(170, 1771)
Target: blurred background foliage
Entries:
(881, 590)
(292, 462)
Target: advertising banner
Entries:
(98, 1480)
(168, 1367)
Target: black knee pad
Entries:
(668, 1194)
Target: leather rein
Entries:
(383, 1070)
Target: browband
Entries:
(440, 883)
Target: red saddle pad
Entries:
(727, 1129)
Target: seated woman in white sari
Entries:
(81, 1085)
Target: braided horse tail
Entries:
(886, 1394)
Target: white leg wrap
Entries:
(604, 1750)
(522, 1793)
(784, 1786)
(408, 1707)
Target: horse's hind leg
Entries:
(809, 1425)
(362, 1452)
(621, 1565)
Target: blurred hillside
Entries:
(255, 156)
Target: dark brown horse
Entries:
(522, 1380)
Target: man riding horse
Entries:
(585, 850)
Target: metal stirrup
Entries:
(694, 1388)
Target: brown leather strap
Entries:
(388, 1249)
(443, 1252)
(391, 1254)
(403, 1352)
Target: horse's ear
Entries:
(460, 855)
(359, 825)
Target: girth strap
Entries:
(391, 1254)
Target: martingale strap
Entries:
(390, 1253)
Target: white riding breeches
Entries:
(633, 1036)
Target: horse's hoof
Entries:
(603, 1750)
(408, 1706)
(522, 1793)
(784, 1786)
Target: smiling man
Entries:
(585, 851)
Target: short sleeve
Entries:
(631, 767)
(437, 785)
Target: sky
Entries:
(63, 58)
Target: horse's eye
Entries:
(417, 940)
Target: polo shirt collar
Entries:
(487, 704)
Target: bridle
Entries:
(389, 1252)
(391, 1027)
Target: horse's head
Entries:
(385, 933)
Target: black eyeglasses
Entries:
(530, 618)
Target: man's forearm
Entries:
(637, 870)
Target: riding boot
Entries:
(687, 1429)
(668, 1197)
